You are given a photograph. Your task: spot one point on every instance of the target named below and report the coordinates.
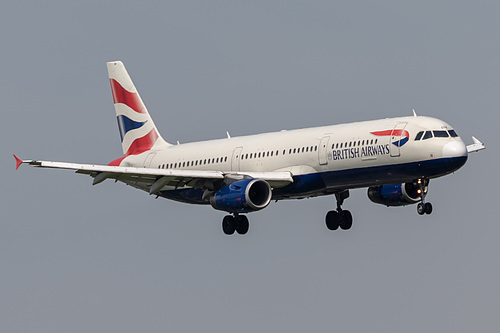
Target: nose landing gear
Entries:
(423, 207)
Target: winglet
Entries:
(476, 146)
(18, 161)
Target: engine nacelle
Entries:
(395, 195)
(242, 196)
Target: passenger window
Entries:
(303, 149)
(419, 135)
(376, 140)
(427, 135)
(453, 134)
(315, 148)
(440, 134)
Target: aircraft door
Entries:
(235, 160)
(398, 139)
(323, 150)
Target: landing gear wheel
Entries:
(332, 220)
(428, 208)
(242, 224)
(346, 220)
(339, 218)
(228, 225)
(421, 208)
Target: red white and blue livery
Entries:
(394, 158)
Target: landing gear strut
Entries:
(339, 218)
(236, 222)
(423, 207)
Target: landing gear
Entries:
(238, 223)
(423, 207)
(339, 218)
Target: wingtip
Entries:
(18, 161)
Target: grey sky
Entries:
(78, 258)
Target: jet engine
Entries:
(395, 195)
(242, 196)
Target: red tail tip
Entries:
(18, 161)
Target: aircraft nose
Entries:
(454, 149)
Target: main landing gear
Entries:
(339, 218)
(423, 207)
(236, 222)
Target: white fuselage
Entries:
(344, 156)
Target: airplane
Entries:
(395, 158)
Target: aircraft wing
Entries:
(476, 146)
(153, 180)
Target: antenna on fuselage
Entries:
(228, 136)
(414, 113)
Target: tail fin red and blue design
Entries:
(138, 132)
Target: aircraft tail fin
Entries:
(138, 132)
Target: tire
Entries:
(421, 208)
(242, 224)
(228, 225)
(332, 220)
(428, 208)
(346, 222)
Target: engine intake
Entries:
(246, 195)
(395, 195)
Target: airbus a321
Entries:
(394, 158)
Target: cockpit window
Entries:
(419, 135)
(440, 134)
(453, 134)
(427, 135)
